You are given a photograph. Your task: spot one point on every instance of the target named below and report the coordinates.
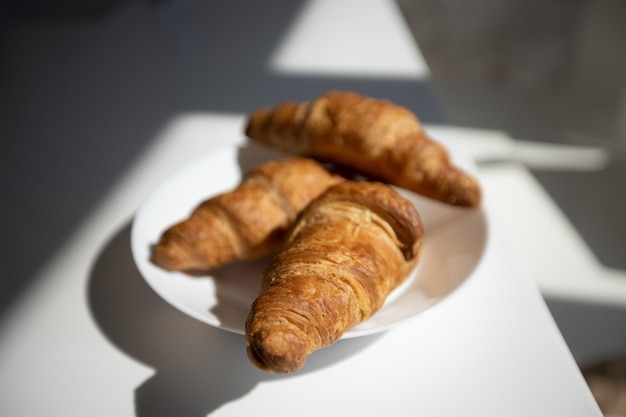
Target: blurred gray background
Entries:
(550, 71)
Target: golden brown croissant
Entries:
(346, 252)
(249, 222)
(375, 137)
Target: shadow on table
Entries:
(198, 368)
(89, 85)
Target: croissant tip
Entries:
(258, 357)
(171, 255)
(276, 352)
(161, 259)
(461, 188)
(256, 120)
(472, 198)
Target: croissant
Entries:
(374, 137)
(346, 252)
(249, 222)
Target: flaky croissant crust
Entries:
(248, 222)
(374, 137)
(346, 252)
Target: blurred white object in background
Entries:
(322, 41)
(489, 146)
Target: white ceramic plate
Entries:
(455, 241)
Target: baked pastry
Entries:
(246, 223)
(346, 252)
(374, 137)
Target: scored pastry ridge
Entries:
(345, 254)
(248, 222)
(374, 137)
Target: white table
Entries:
(89, 337)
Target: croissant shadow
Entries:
(198, 368)
(251, 154)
